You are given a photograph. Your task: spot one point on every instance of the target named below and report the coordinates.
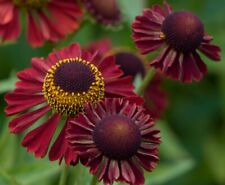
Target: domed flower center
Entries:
(183, 31)
(130, 64)
(72, 83)
(30, 3)
(109, 9)
(74, 77)
(117, 137)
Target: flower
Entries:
(155, 98)
(46, 20)
(116, 140)
(61, 86)
(130, 64)
(180, 34)
(105, 13)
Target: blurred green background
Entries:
(192, 128)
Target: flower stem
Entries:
(94, 180)
(64, 174)
(146, 81)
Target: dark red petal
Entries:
(148, 162)
(38, 140)
(60, 149)
(211, 51)
(24, 121)
(201, 65)
(138, 173)
(104, 169)
(20, 102)
(40, 65)
(50, 30)
(95, 164)
(6, 12)
(190, 69)
(174, 71)
(159, 60)
(100, 47)
(119, 87)
(167, 8)
(72, 51)
(127, 172)
(150, 136)
(11, 30)
(114, 171)
(34, 35)
(68, 15)
(32, 75)
(147, 47)
(28, 87)
(155, 98)
(109, 69)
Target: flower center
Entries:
(117, 137)
(31, 3)
(109, 9)
(183, 31)
(130, 64)
(74, 77)
(72, 83)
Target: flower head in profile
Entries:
(60, 86)
(116, 140)
(107, 13)
(180, 35)
(47, 20)
(130, 63)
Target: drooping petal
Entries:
(20, 123)
(38, 140)
(60, 149)
(11, 30)
(211, 51)
(20, 102)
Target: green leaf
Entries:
(36, 172)
(8, 84)
(214, 153)
(170, 147)
(168, 171)
(7, 179)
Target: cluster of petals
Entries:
(50, 21)
(116, 140)
(29, 104)
(179, 35)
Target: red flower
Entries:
(46, 20)
(116, 140)
(61, 85)
(155, 98)
(130, 64)
(180, 34)
(105, 13)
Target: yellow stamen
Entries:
(162, 35)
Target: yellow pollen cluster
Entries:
(70, 103)
(162, 35)
(31, 3)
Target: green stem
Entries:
(94, 180)
(64, 174)
(145, 82)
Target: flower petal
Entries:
(38, 140)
